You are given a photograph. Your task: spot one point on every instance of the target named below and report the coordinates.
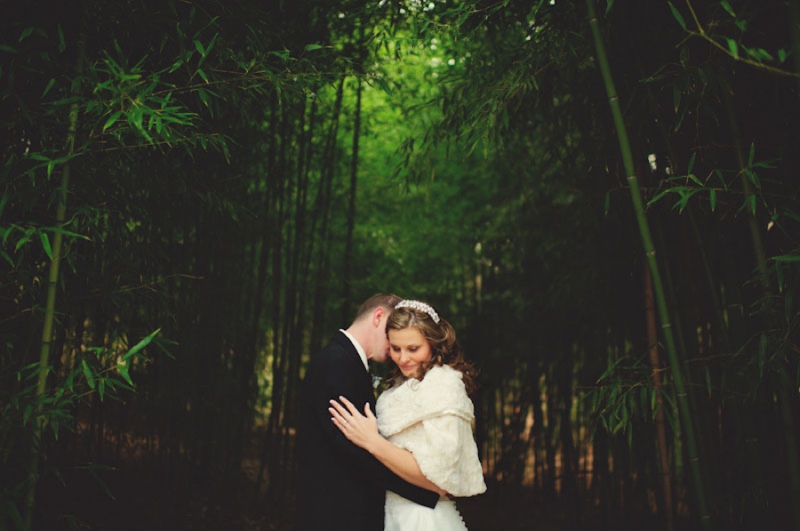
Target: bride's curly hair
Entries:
(445, 348)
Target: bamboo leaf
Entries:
(653, 401)
(140, 345)
(727, 7)
(721, 177)
(66, 232)
(211, 43)
(48, 87)
(25, 34)
(384, 86)
(733, 47)
(28, 234)
(685, 196)
(203, 95)
(159, 342)
(92, 468)
(112, 120)
(87, 372)
(677, 15)
(176, 65)
(69, 382)
(312, 47)
(608, 371)
(6, 232)
(122, 368)
(787, 258)
(283, 54)
(7, 258)
(660, 195)
(46, 244)
(712, 198)
(691, 163)
(759, 54)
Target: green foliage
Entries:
(722, 15)
(98, 371)
(624, 397)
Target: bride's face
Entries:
(409, 349)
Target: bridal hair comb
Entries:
(419, 306)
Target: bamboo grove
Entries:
(600, 196)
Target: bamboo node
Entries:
(651, 252)
(666, 325)
(631, 178)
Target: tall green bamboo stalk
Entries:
(50, 307)
(685, 415)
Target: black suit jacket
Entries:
(341, 486)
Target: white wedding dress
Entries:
(432, 419)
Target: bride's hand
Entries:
(360, 429)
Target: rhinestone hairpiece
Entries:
(420, 306)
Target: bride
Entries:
(424, 420)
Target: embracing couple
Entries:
(396, 469)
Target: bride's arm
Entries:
(362, 431)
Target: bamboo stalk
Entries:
(685, 414)
(661, 432)
(52, 289)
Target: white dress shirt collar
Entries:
(361, 352)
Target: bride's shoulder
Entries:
(444, 372)
(444, 377)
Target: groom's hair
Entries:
(379, 300)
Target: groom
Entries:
(340, 486)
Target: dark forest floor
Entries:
(137, 497)
(200, 503)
